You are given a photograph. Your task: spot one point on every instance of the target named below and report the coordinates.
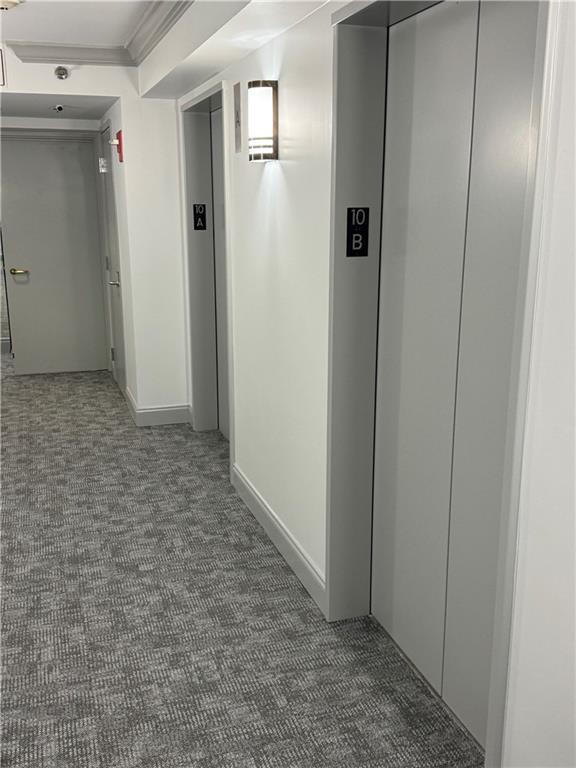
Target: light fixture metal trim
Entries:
(262, 120)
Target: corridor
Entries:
(150, 623)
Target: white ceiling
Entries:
(77, 22)
(178, 43)
(40, 105)
(249, 28)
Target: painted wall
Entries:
(279, 250)
(149, 220)
(150, 212)
(541, 704)
(114, 117)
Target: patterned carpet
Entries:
(148, 622)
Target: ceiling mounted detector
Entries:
(6, 5)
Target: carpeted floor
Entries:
(148, 621)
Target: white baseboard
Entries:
(155, 417)
(281, 537)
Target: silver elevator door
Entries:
(462, 102)
(427, 157)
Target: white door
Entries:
(427, 156)
(52, 254)
(111, 249)
(217, 143)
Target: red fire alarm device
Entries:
(120, 147)
(117, 142)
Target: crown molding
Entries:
(63, 53)
(156, 22)
(44, 134)
(47, 124)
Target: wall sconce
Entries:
(263, 120)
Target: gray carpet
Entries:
(148, 621)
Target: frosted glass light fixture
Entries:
(263, 120)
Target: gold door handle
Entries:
(18, 271)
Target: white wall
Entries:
(149, 220)
(152, 196)
(279, 218)
(114, 117)
(540, 722)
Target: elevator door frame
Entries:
(353, 341)
(200, 271)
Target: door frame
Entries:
(353, 323)
(103, 239)
(6, 341)
(360, 33)
(105, 256)
(360, 56)
(220, 273)
(202, 404)
(544, 117)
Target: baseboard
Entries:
(5, 346)
(156, 417)
(282, 539)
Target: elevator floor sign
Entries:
(199, 216)
(357, 232)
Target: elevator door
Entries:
(427, 156)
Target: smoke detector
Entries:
(6, 5)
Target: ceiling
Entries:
(40, 105)
(105, 22)
(208, 36)
(251, 27)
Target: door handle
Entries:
(113, 282)
(18, 271)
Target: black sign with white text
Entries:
(199, 216)
(357, 231)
